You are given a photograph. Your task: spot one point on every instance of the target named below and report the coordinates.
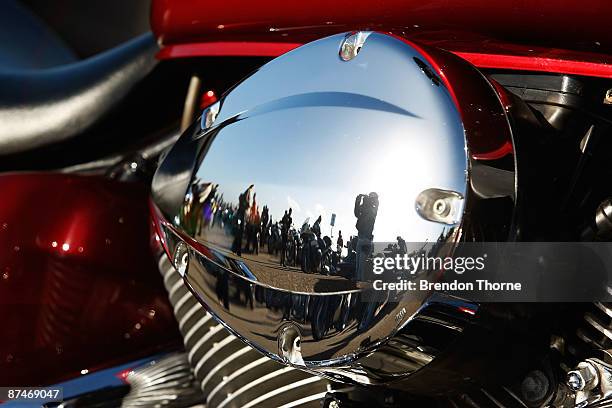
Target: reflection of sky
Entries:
(317, 159)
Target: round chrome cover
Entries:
(313, 144)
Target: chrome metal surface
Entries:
(575, 380)
(598, 331)
(591, 381)
(210, 115)
(373, 147)
(352, 44)
(608, 98)
(230, 373)
(166, 382)
(181, 258)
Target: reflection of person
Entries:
(401, 244)
(286, 222)
(339, 242)
(366, 209)
(243, 205)
(206, 198)
(316, 227)
(264, 225)
(253, 226)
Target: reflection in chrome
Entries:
(352, 45)
(181, 258)
(209, 115)
(440, 206)
(165, 382)
(284, 197)
(226, 369)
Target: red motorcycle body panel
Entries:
(566, 36)
(79, 286)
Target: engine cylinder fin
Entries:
(597, 332)
(297, 389)
(238, 379)
(498, 397)
(222, 366)
(165, 382)
(229, 373)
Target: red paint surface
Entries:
(79, 288)
(562, 37)
(226, 49)
(572, 63)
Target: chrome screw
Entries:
(210, 115)
(582, 378)
(443, 206)
(181, 258)
(352, 44)
(608, 97)
(575, 381)
(289, 345)
(439, 207)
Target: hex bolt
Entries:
(582, 378)
(575, 382)
(608, 98)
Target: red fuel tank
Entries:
(563, 36)
(79, 287)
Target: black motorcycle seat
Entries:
(26, 42)
(39, 107)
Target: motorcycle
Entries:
(119, 286)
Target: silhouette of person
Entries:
(366, 209)
(339, 242)
(401, 244)
(243, 205)
(264, 225)
(286, 222)
(316, 227)
(255, 228)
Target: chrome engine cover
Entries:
(312, 130)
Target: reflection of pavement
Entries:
(266, 267)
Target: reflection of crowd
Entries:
(201, 203)
(305, 247)
(323, 314)
(253, 229)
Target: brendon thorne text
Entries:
(406, 275)
(454, 286)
